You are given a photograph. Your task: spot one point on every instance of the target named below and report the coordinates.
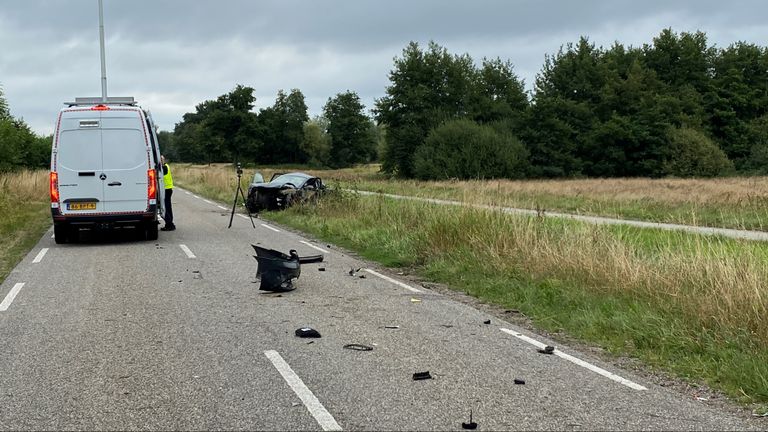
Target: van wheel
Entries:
(60, 233)
(150, 231)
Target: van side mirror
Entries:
(258, 178)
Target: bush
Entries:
(466, 150)
(693, 154)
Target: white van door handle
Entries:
(114, 184)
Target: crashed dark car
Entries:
(282, 191)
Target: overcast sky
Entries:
(173, 54)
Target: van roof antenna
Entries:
(103, 60)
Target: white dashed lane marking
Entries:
(313, 246)
(269, 227)
(396, 282)
(40, 255)
(318, 411)
(187, 251)
(582, 363)
(11, 295)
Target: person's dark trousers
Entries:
(168, 209)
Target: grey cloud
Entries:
(173, 54)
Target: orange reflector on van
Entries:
(151, 184)
(100, 107)
(54, 187)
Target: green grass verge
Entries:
(22, 225)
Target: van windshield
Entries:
(80, 150)
(124, 149)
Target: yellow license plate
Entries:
(81, 206)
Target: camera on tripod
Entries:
(239, 192)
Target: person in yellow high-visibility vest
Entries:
(168, 180)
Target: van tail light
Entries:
(54, 188)
(151, 184)
(100, 107)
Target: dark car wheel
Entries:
(61, 233)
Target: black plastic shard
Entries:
(549, 349)
(278, 270)
(421, 376)
(307, 332)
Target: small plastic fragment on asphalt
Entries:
(519, 381)
(415, 300)
(392, 327)
(362, 276)
(358, 347)
(321, 269)
(487, 322)
(307, 332)
(549, 349)
(417, 376)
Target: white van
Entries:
(105, 169)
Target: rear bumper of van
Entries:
(111, 219)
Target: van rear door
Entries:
(125, 161)
(78, 163)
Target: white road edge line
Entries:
(269, 227)
(187, 251)
(207, 201)
(242, 216)
(318, 411)
(53, 235)
(186, 192)
(40, 256)
(9, 298)
(396, 282)
(582, 363)
(221, 207)
(314, 247)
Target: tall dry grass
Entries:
(24, 186)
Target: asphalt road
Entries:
(118, 334)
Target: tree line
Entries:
(227, 129)
(19, 146)
(677, 106)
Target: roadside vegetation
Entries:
(25, 206)
(732, 202)
(689, 304)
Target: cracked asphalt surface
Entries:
(117, 334)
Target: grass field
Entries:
(735, 202)
(25, 206)
(692, 305)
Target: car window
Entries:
(295, 180)
(124, 149)
(80, 150)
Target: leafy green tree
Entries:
(427, 87)
(693, 154)
(740, 95)
(352, 136)
(466, 150)
(18, 146)
(220, 130)
(4, 111)
(281, 129)
(316, 143)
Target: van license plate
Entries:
(81, 206)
